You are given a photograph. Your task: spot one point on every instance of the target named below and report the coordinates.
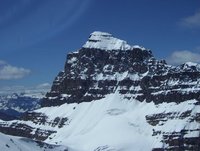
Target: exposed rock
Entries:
(19, 129)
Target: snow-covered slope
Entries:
(118, 124)
(111, 123)
(12, 143)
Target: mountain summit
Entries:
(98, 68)
(106, 64)
(105, 41)
(114, 96)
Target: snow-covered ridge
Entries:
(190, 65)
(105, 41)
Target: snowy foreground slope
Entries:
(112, 96)
(13, 143)
(115, 123)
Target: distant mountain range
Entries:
(112, 96)
(13, 105)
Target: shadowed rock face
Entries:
(90, 74)
(23, 130)
(29, 131)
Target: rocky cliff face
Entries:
(107, 78)
(106, 64)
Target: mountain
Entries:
(114, 96)
(13, 105)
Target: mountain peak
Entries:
(190, 66)
(105, 41)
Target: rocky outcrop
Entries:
(33, 130)
(24, 130)
(42, 119)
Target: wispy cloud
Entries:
(48, 19)
(191, 21)
(179, 57)
(8, 72)
(43, 87)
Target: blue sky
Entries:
(36, 35)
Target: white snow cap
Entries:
(105, 41)
(191, 64)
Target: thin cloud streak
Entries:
(43, 87)
(41, 24)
